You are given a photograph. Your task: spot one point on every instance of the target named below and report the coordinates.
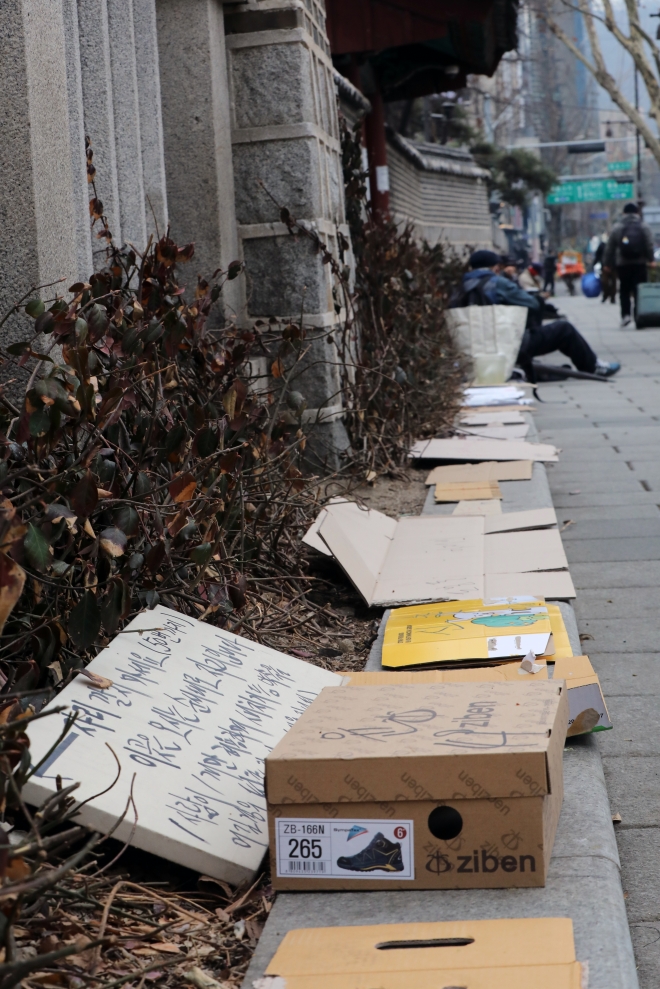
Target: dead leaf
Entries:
(182, 488)
(17, 869)
(222, 914)
(102, 683)
(12, 579)
(198, 977)
(88, 529)
(104, 493)
(167, 946)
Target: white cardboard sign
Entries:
(193, 712)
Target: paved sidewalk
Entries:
(607, 484)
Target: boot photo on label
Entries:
(380, 853)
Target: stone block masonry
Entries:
(207, 131)
(286, 153)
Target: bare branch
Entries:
(601, 75)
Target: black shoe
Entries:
(380, 853)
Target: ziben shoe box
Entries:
(419, 786)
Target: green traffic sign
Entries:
(589, 191)
(619, 166)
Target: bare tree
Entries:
(641, 47)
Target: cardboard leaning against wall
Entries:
(525, 953)
(419, 786)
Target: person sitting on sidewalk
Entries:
(484, 285)
(629, 249)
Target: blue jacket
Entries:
(500, 290)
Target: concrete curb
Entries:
(584, 880)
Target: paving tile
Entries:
(625, 674)
(633, 784)
(604, 550)
(616, 574)
(622, 602)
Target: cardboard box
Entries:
(489, 470)
(420, 786)
(587, 709)
(465, 674)
(431, 557)
(526, 953)
(473, 448)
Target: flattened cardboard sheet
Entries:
(312, 538)
(492, 417)
(535, 518)
(520, 552)
(193, 711)
(467, 491)
(421, 558)
(516, 431)
(430, 558)
(489, 470)
(524, 953)
(555, 584)
(485, 508)
(474, 449)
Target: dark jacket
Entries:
(613, 257)
(500, 290)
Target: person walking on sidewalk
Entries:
(629, 249)
(484, 285)
(549, 272)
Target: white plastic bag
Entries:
(491, 335)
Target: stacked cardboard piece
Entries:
(428, 558)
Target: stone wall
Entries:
(209, 131)
(286, 153)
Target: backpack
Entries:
(633, 243)
(475, 295)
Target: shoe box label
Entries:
(369, 849)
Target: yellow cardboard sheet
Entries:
(482, 633)
(526, 953)
(467, 491)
